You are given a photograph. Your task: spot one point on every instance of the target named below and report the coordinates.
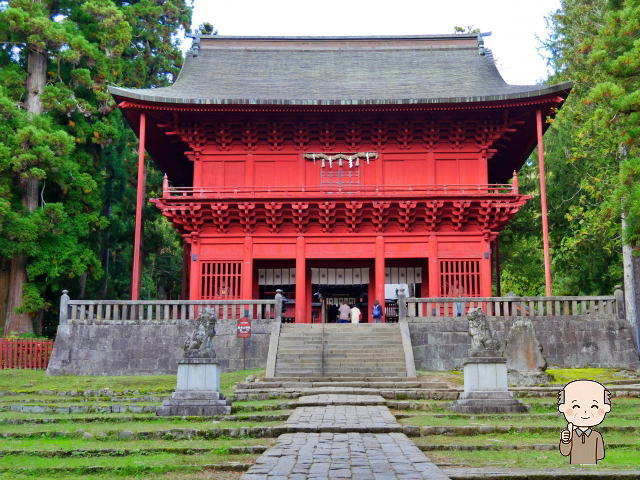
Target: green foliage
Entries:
(26, 335)
(207, 28)
(79, 149)
(593, 171)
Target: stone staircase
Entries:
(340, 350)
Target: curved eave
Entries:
(133, 94)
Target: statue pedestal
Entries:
(197, 392)
(485, 387)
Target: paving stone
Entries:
(351, 455)
(344, 417)
(338, 399)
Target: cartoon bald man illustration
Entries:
(584, 404)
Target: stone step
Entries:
(392, 394)
(349, 354)
(393, 368)
(340, 383)
(340, 350)
(341, 379)
(364, 362)
(354, 371)
(356, 349)
(336, 372)
(299, 371)
(337, 325)
(354, 341)
(302, 363)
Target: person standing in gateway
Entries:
(344, 313)
(376, 312)
(355, 314)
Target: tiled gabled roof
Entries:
(338, 71)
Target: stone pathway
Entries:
(358, 456)
(342, 444)
(335, 399)
(343, 417)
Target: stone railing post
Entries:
(402, 305)
(64, 307)
(279, 305)
(618, 294)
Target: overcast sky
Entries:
(516, 25)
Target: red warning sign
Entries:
(243, 328)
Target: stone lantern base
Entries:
(485, 388)
(197, 392)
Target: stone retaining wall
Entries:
(567, 341)
(127, 348)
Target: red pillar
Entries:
(186, 258)
(135, 280)
(543, 204)
(371, 292)
(246, 287)
(379, 273)
(496, 254)
(308, 292)
(434, 270)
(301, 282)
(485, 269)
(194, 269)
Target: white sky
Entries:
(516, 25)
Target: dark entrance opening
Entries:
(327, 298)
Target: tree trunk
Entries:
(36, 80)
(5, 273)
(83, 286)
(631, 265)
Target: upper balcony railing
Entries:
(337, 190)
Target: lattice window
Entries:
(220, 280)
(460, 278)
(340, 176)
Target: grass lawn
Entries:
(513, 438)
(619, 458)
(107, 455)
(34, 380)
(498, 420)
(547, 405)
(198, 474)
(104, 455)
(16, 462)
(45, 444)
(602, 375)
(113, 429)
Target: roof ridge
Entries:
(320, 38)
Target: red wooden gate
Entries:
(25, 353)
(220, 280)
(460, 278)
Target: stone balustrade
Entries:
(101, 311)
(508, 306)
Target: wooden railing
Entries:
(257, 192)
(98, 311)
(29, 353)
(510, 306)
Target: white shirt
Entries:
(355, 315)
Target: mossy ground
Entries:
(603, 375)
(89, 445)
(92, 449)
(35, 380)
(622, 447)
